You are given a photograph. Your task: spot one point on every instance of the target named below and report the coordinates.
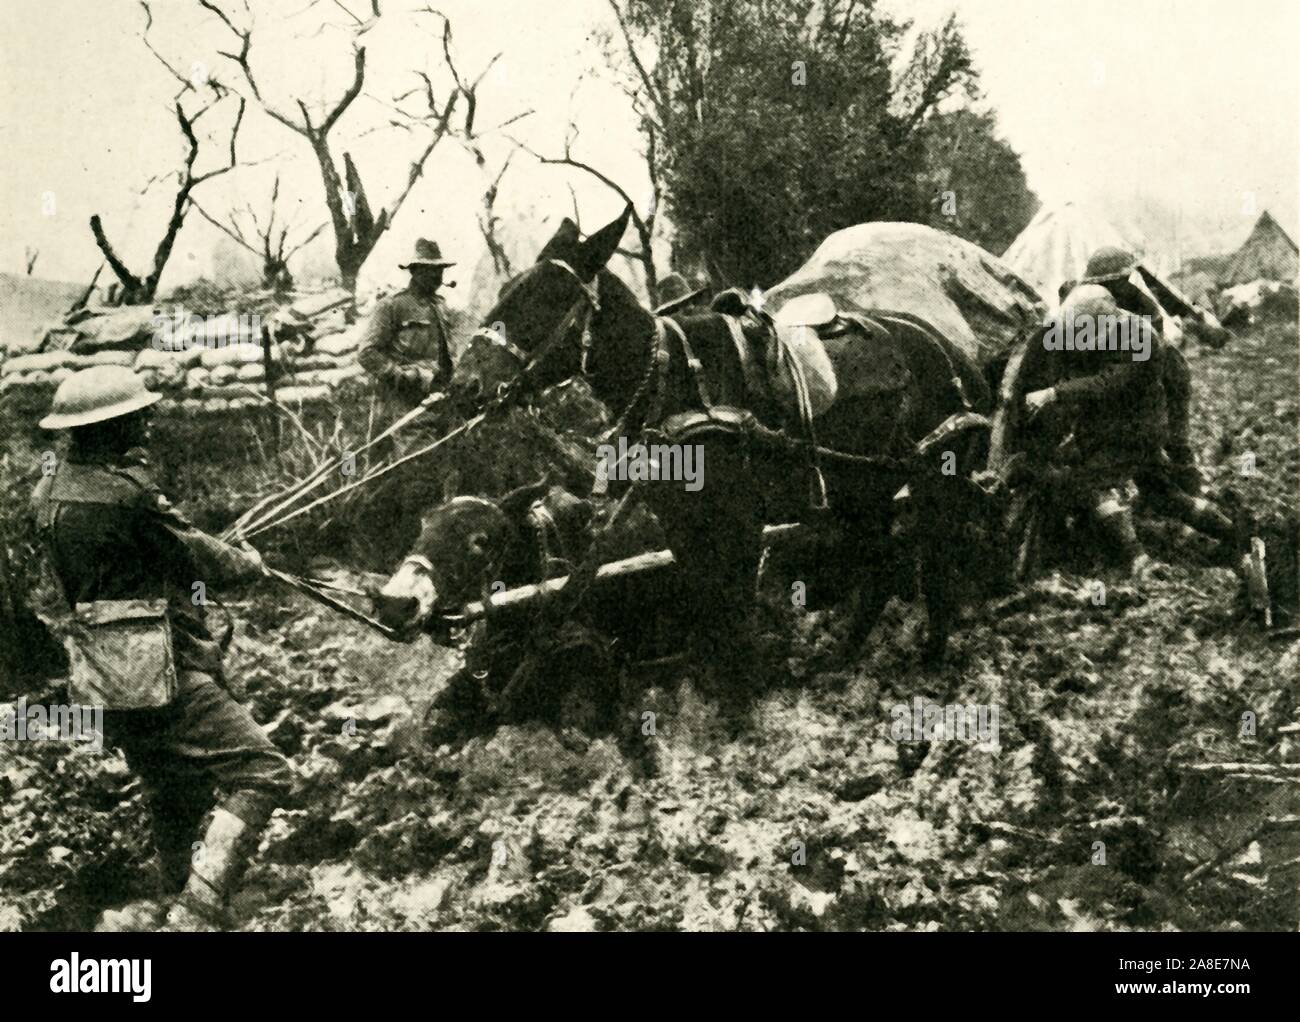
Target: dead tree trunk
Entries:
(140, 290)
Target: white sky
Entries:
(1193, 104)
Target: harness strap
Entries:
(662, 357)
(693, 363)
(592, 291)
(488, 334)
(803, 401)
(752, 370)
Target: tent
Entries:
(1267, 254)
(970, 297)
(1055, 246)
(1057, 242)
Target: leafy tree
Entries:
(780, 121)
(978, 188)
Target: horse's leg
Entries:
(938, 500)
(715, 534)
(868, 548)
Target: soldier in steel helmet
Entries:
(1129, 415)
(110, 535)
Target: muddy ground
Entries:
(1085, 815)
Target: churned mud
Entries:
(1087, 812)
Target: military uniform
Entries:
(406, 348)
(110, 534)
(1117, 402)
(1125, 413)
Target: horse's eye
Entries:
(478, 543)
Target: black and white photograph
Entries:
(650, 466)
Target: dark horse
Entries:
(564, 667)
(898, 382)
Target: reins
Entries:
(278, 509)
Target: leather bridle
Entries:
(579, 314)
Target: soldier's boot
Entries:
(1197, 512)
(1115, 523)
(226, 847)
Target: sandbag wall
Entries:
(201, 379)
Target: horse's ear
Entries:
(597, 249)
(451, 485)
(562, 242)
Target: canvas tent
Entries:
(1057, 242)
(969, 296)
(1054, 248)
(1267, 254)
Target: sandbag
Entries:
(319, 361)
(221, 375)
(234, 354)
(131, 326)
(339, 344)
(152, 358)
(329, 377)
(42, 361)
(107, 358)
(302, 395)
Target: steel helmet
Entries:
(96, 394)
(1107, 264)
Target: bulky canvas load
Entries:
(961, 291)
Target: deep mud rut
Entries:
(1084, 816)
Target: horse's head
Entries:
(534, 306)
(468, 544)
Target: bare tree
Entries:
(357, 227)
(268, 241)
(138, 289)
(488, 221)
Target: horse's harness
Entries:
(711, 416)
(579, 314)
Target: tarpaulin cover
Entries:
(965, 294)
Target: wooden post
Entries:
(269, 382)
